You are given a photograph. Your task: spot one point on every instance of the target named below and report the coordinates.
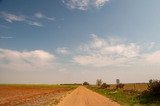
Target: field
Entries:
(133, 86)
(37, 95)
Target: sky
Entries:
(72, 41)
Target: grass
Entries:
(123, 97)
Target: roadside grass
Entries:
(123, 97)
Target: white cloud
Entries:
(152, 44)
(101, 52)
(37, 60)
(42, 16)
(19, 18)
(11, 17)
(93, 60)
(84, 4)
(35, 23)
(152, 58)
(63, 51)
(99, 3)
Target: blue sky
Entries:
(67, 41)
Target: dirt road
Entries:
(82, 96)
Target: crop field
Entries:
(132, 86)
(37, 95)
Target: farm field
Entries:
(29, 95)
(132, 86)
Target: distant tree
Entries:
(117, 81)
(150, 81)
(99, 82)
(120, 85)
(85, 83)
(104, 85)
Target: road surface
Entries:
(82, 96)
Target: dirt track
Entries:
(85, 97)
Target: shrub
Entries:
(104, 85)
(85, 83)
(154, 87)
(152, 94)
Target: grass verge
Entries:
(125, 98)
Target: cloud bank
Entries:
(37, 60)
(112, 52)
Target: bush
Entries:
(154, 87)
(120, 86)
(85, 83)
(104, 85)
(152, 94)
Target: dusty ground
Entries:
(82, 96)
(30, 96)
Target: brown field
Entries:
(31, 95)
(133, 86)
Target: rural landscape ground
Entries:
(71, 95)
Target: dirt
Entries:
(30, 96)
(82, 96)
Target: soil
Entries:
(82, 96)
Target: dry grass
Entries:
(133, 86)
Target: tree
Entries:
(154, 87)
(117, 81)
(85, 83)
(104, 85)
(152, 94)
(120, 85)
(99, 82)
